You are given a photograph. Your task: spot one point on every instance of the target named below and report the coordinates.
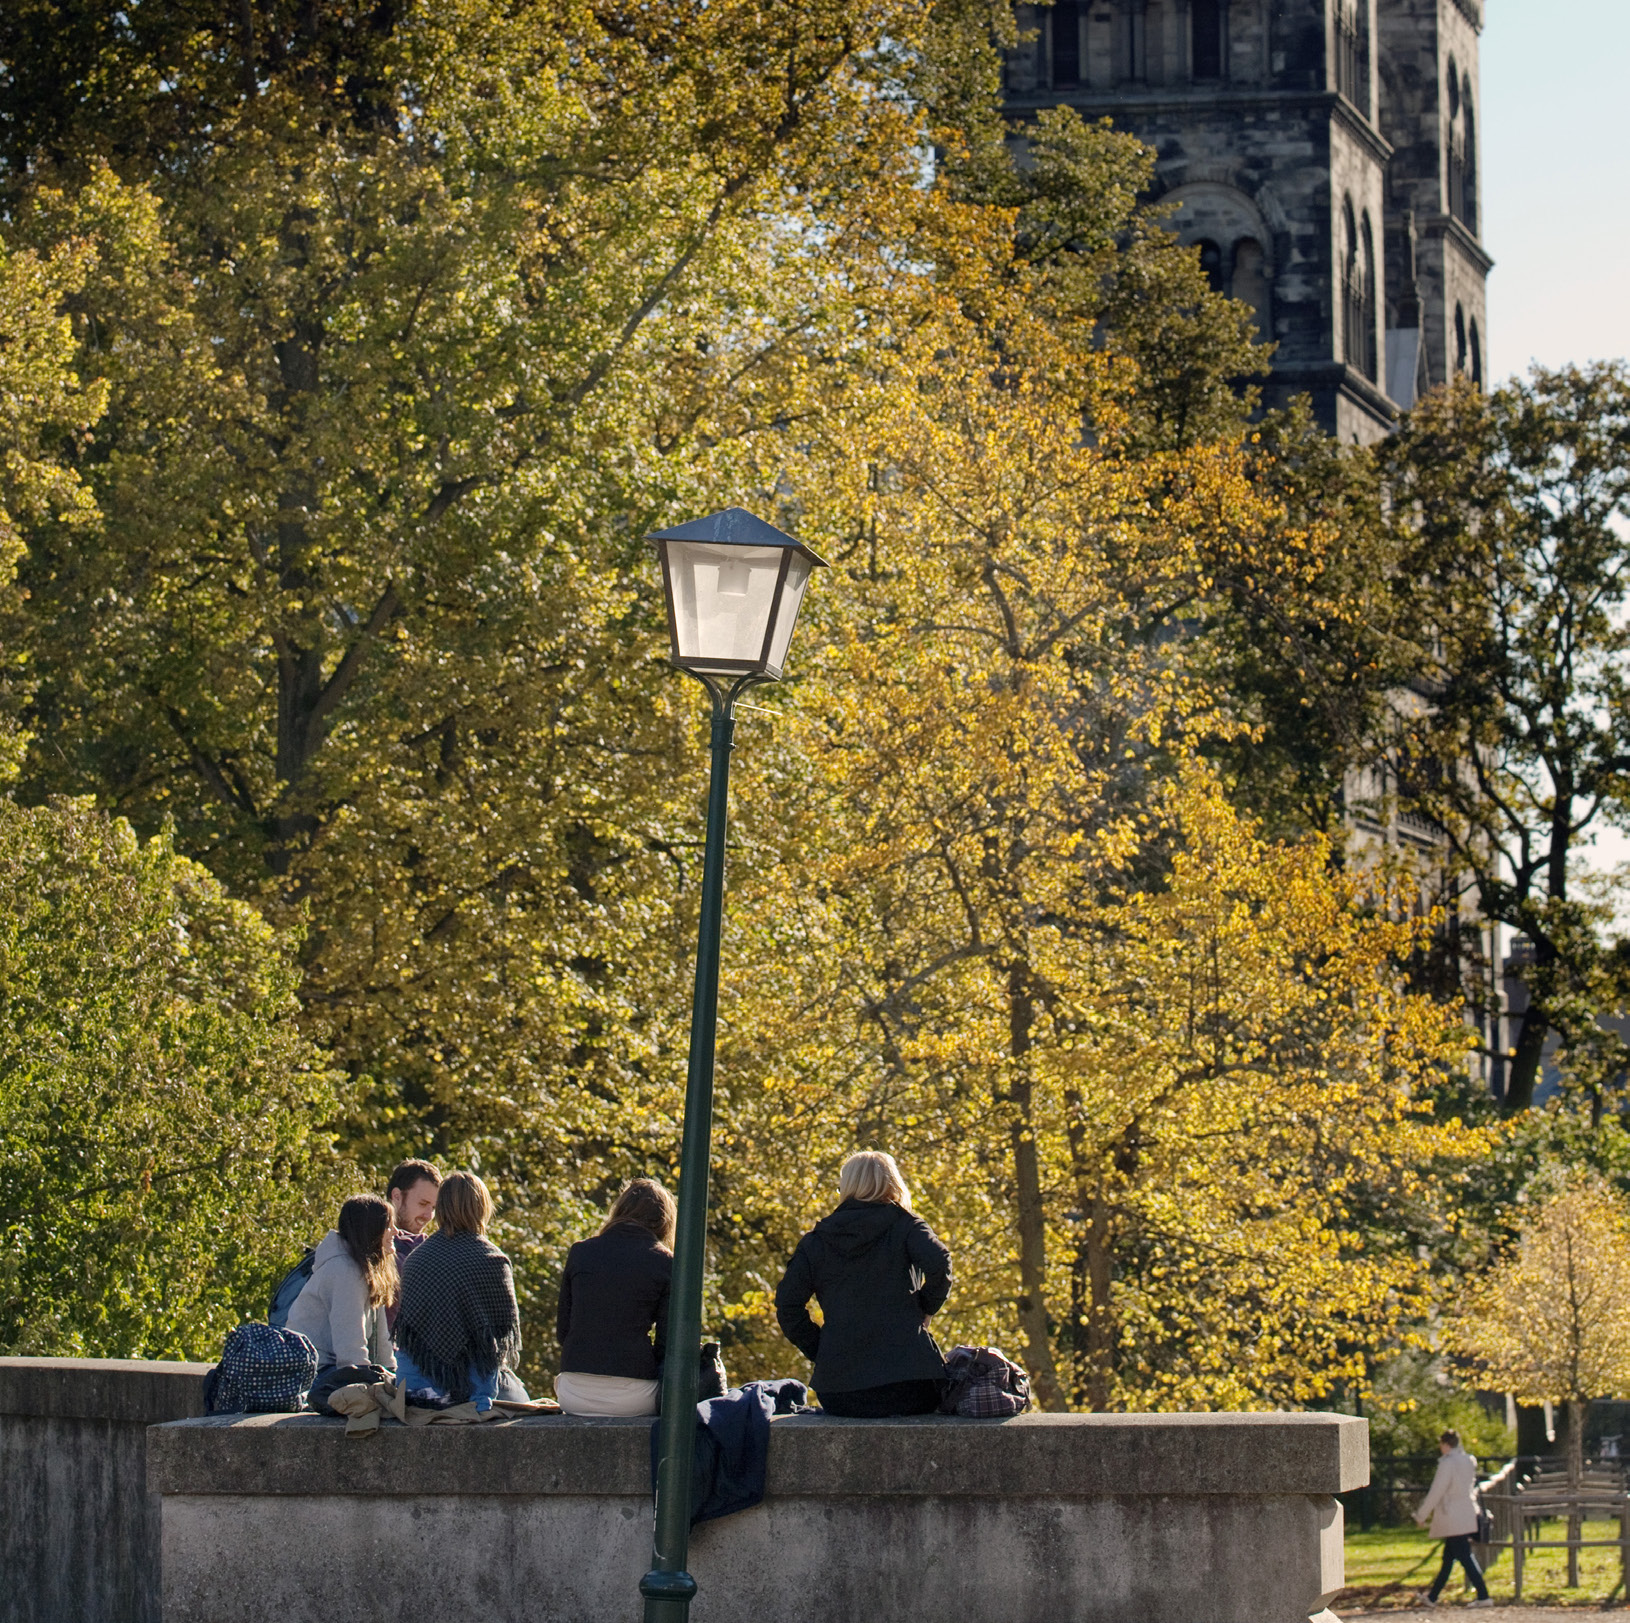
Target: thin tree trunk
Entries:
(1576, 1477)
(1032, 1216)
(1097, 1256)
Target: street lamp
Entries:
(734, 585)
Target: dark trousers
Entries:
(880, 1402)
(330, 1380)
(1459, 1548)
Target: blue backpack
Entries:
(289, 1287)
(262, 1371)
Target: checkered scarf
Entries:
(458, 1311)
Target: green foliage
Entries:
(166, 1132)
(410, 320)
(1513, 512)
(1411, 1406)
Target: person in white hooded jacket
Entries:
(341, 1309)
(1451, 1502)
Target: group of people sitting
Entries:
(438, 1308)
(437, 1311)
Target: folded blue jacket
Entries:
(732, 1451)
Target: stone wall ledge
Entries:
(137, 1391)
(1030, 1456)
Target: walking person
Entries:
(613, 1301)
(458, 1329)
(1451, 1502)
(880, 1274)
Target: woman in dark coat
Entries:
(613, 1296)
(880, 1273)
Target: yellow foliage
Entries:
(1550, 1322)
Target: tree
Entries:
(1514, 564)
(434, 311)
(1550, 1320)
(168, 1132)
(968, 775)
(44, 411)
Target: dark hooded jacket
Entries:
(879, 1273)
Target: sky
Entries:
(1555, 182)
(1556, 198)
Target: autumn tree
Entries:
(1515, 568)
(1006, 683)
(411, 321)
(168, 1129)
(45, 410)
(1550, 1320)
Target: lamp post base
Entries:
(667, 1596)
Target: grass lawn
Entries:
(1390, 1565)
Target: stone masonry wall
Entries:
(79, 1532)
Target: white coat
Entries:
(332, 1311)
(1452, 1500)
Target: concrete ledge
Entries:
(1039, 1519)
(1047, 1456)
(136, 1391)
(79, 1533)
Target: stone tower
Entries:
(1323, 156)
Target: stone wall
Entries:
(1041, 1519)
(78, 1529)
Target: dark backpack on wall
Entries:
(983, 1385)
(289, 1287)
(262, 1371)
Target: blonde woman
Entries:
(458, 1330)
(880, 1273)
(613, 1298)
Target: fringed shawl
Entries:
(458, 1311)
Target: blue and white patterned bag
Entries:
(262, 1371)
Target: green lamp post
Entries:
(734, 585)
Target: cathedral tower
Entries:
(1323, 156)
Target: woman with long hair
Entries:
(880, 1273)
(458, 1329)
(613, 1298)
(341, 1308)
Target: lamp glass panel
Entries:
(786, 613)
(722, 600)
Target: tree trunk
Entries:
(1097, 1320)
(1100, 1312)
(1525, 1062)
(1576, 1476)
(1032, 1215)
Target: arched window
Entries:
(1460, 339)
(1251, 284)
(1476, 346)
(1066, 25)
(1206, 41)
(1352, 42)
(1468, 143)
(1366, 337)
(1462, 149)
(1357, 292)
(1211, 262)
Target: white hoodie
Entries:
(1452, 1500)
(332, 1311)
